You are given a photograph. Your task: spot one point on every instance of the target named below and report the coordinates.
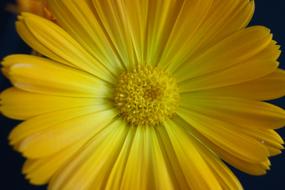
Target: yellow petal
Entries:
(225, 176)
(237, 74)
(20, 104)
(162, 16)
(269, 87)
(249, 117)
(196, 172)
(56, 40)
(163, 176)
(205, 25)
(257, 168)
(158, 175)
(110, 15)
(268, 137)
(33, 42)
(151, 171)
(135, 17)
(242, 112)
(80, 21)
(226, 136)
(40, 171)
(253, 43)
(223, 19)
(114, 179)
(180, 40)
(49, 133)
(138, 29)
(90, 168)
(138, 158)
(40, 75)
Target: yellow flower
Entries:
(145, 95)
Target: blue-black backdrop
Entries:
(268, 13)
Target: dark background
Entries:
(268, 13)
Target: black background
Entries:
(268, 13)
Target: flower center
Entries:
(146, 95)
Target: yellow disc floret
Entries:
(146, 95)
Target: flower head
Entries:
(145, 94)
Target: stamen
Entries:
(146, 95)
